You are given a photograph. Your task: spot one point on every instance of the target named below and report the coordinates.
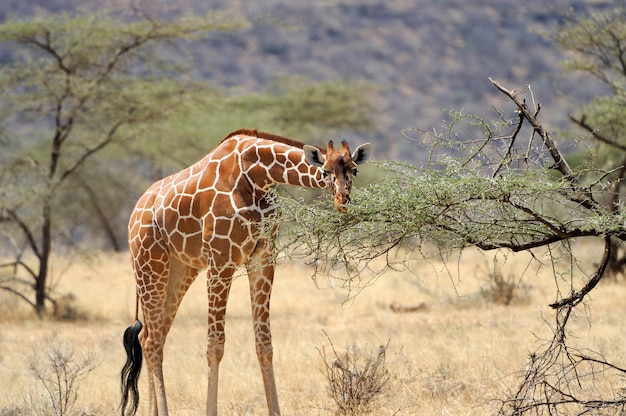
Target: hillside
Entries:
(424, 56)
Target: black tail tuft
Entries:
(132, 368)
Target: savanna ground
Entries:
(457, 354)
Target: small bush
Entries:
(67, 309)
(58, 368)
(501, 288)
(356, 380)
(444, 381)
(14, 410)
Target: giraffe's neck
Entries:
(267, 162)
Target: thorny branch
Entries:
(507, 156)
(561, 380)
(560, 163)
(578, 296)
(596, 134)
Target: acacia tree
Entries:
(503, 185)
(73, 87)
(508, 188)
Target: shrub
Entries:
(356, 379)
(502, 288)
(58, 368)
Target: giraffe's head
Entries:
(339, 167)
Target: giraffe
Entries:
(208, 216)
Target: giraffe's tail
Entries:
(132, 368)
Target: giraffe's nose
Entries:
(341, 200)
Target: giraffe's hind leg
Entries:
(166, 287)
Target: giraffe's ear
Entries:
(313, 155)
(362, 153)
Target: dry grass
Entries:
(453, 357)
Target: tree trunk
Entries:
(102, 217)
(44, 259)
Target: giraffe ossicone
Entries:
(208, 216)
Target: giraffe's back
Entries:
(204, 213)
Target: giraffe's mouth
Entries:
(341, 202)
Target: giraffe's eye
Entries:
(355, 172)
(325, 174)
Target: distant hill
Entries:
(423, 55)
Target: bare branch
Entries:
(506, 157)
(32, 241)
(577, 297)
(18, 294)
(596, 133)
(581, 195)
(17, 264)
(91, 151)
(560, 163)
(46, 45)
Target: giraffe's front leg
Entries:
(218, 287)
(261, 276)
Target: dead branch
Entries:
(509, 150)
(561, 380)
(560, 163)
(578, 296)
